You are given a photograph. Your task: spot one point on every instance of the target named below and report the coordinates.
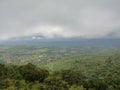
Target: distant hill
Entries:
(36, 39)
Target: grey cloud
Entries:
(65, 18)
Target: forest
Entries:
(54, 67)
(30, 77)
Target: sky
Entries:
(60, 18)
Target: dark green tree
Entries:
(72, 77)
(96, 84)
(52, 83)
(31, 73)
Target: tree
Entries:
(72, 77)
(3, 72)
(96, 84)
(52, 83)
(31, 73)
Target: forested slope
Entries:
(96, 72)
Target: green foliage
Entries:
(75, 87)
(96, 84)
(31, 73)
(14, 72)
(72, 77)
(3, 71)
(63, 68)
(53, 83)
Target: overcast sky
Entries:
(60, 18)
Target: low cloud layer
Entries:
(60, 18)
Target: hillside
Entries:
(88, 64)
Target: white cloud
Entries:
(60, 18)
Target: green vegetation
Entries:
(59, 68)
(30, 77)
